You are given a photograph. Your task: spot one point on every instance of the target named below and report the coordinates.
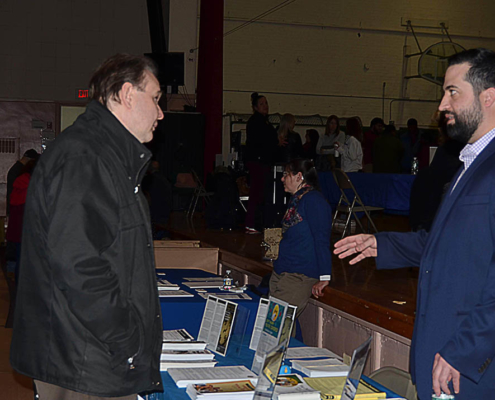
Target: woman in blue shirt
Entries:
(304, 263)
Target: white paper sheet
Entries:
(259, 323)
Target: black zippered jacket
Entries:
(87, 314)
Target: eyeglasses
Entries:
(286, 173)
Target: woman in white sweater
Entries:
(332, 135)
(350, 148)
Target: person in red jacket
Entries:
(17, 202)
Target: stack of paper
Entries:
(321, 367)
(186, 359)
(174, 293)
(204, 285)
(238, 390)
(315, 361)
(180, 339)
(293, 387)
(331, 388)
(186, 355)
(163, 284)
(310, 352)
(166, 365)
(184, 377)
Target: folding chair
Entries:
(199, 192)
(396, 380)
(350, 207)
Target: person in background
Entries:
(15, 170)
(453, 342)
(158, 192)
(376, 128)
(327, 143)
(87, 322)
(289, 142)
(17, 203)
(387, 152)
(332, 134)
(415, 145)
(432, 182)
(309, 146)
(261, 148)
(351, 150)
(304, 263)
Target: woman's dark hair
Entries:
(354, 127)
(389, 130)
(307, 170)
(28, 168)
(107, 80)
(327, 125)
(314, 136)
(254, 99)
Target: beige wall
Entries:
(337, 49)
(332, 56)
(49, 48)
(183, 37)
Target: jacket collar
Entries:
(131, 152)
(452, 196)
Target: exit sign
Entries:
(82, 93)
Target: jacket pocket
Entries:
(474, 199)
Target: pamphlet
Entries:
(216, 326)
(203, 285)
(163, 284)
(310, 352)
(177, 335)
(174, 293)
(321, 367)
(186, 364)
(259, 323)
(224, 390)
(227, 296)
(293, 387)
(271, 332)
(186, 355)
(183, 377)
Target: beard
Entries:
(466, 122)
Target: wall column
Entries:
(210, 77)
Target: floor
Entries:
(13, 386)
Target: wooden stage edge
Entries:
(386, 299)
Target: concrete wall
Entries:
(334, 57)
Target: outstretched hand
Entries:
(363, 245)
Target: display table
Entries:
(390, 191)
(187, 313)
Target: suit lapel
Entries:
(452, 196)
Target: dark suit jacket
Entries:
(455, 312)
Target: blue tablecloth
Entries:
(390, 191)
(187, 313)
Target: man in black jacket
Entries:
(88, 321)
